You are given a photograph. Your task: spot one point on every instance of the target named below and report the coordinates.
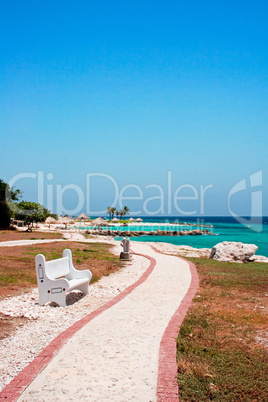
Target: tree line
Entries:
(111, 211)
(26, 211)
(30, 212)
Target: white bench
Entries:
(58, 277)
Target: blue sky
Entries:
(135, 90)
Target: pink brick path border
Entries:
(15, 388)
(167, 384)
(167, 387)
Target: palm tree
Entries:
(125, 211)
(111, 211)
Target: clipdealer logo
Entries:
(164, 202)
(256, 200)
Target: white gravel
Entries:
(26, 242)
(46, 322)
(185, 251)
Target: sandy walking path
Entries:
(115, 356)
(13, 243)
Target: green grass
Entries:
(94, 279)
(218, 355)
(99, 252)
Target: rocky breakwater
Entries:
(137, 233)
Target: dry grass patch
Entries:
(222, 352)
(10, 235)
(17, 264)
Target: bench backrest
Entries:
(57, 268)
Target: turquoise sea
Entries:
(226, 228)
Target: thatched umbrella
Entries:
(99, 222)
(139, 220)
(115, 220)
(50, 220)
(83, 217)
(131, 220)
(67, 221)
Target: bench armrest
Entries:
(75, 273)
